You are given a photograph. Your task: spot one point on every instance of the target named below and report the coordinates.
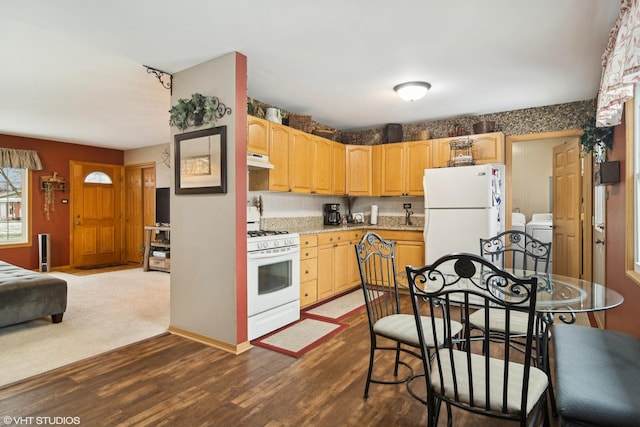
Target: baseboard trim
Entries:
(221, 345)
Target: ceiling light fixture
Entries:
(412, 91)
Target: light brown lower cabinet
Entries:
(409, 247)
(308, 269)
(328, 263)
(336, 267)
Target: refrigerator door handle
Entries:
(426, 227)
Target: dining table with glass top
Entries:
(560, 297)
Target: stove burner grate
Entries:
(261, 233)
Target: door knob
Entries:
(77, 222)
(599, 241)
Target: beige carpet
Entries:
(104, 311)
(299, 337)
(340, 307)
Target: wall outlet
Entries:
(406, 205)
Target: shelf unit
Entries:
(157, 238)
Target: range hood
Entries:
(258, 161)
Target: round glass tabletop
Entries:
(562, 294)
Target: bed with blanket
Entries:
(27, 295)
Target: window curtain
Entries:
(19, 159)
(620, 65)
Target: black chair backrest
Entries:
(377, 265)
(458, 284)
(517, 250)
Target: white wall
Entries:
(531, 173)
(158, 154)
(203, 245)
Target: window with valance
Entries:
(14, 194)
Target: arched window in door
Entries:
(98, 178)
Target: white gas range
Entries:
(273, 277)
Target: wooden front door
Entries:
(567, 230)
(96, 214)
(140, 208)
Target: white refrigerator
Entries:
(462, 204)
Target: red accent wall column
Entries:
(625, 317)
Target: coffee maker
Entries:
(332, 214)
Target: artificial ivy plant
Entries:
(595, 136)
(197, 111)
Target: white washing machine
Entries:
(518, 221)
(541, 228)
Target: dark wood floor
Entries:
(170, 380)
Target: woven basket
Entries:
(328, 134)
(300, 122)
(486, 126)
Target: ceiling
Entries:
(72, 70)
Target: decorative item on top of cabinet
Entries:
(460, 153)
(486, 148)
(301, 122)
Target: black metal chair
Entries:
(497, 382)
(376, 261)
(510, 250)
(517, 250)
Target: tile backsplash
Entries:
(286, 205)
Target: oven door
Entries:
(273, 278)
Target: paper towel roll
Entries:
(374, 214)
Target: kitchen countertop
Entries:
(313, 225)
(333, 228)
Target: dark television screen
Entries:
(162, 205)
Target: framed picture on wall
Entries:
(201, 161)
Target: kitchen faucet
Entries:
(407, 217)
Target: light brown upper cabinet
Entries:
(338, 166)
(358, 170)
(322, 159)
(279, 156)
(392, 176)
(276, 179)
(257, 135)
(419, 157)
(399, 167)
(301, 161)
(486, 148)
